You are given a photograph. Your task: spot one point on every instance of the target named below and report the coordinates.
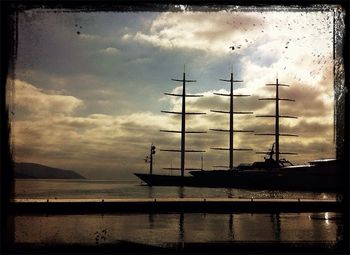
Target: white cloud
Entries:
(38, 102)
(110, 51)
(90, 37)
(207, 31)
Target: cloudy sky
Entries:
(88, 86)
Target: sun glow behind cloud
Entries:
(99, 112)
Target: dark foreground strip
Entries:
(236, 247)
(177, 206)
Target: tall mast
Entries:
(183, 124)
(183, 131)
(231, 128)
(277, 124)
(152, 152)
(231, 123)
(277, 116)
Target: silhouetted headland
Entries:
(37, 171)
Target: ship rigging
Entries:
(231, 130)
(183, 130)
(277, 117)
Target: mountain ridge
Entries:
(29, 170)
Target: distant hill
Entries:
(36, 171)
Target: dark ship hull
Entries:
(260, 180)
(320, 177)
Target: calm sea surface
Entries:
(165, 229)
(26, 188)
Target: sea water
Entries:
(43, 188)
(162, 229)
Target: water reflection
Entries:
(274, 194)
(339, 230)
(181, 228)
(150, 190)
(276, 225)
(230, 227)
(159, 229)
(326, 217)
(181, 192)
(229, 193)
(132, 189)
(151, 220)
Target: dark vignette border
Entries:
(9, 11)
